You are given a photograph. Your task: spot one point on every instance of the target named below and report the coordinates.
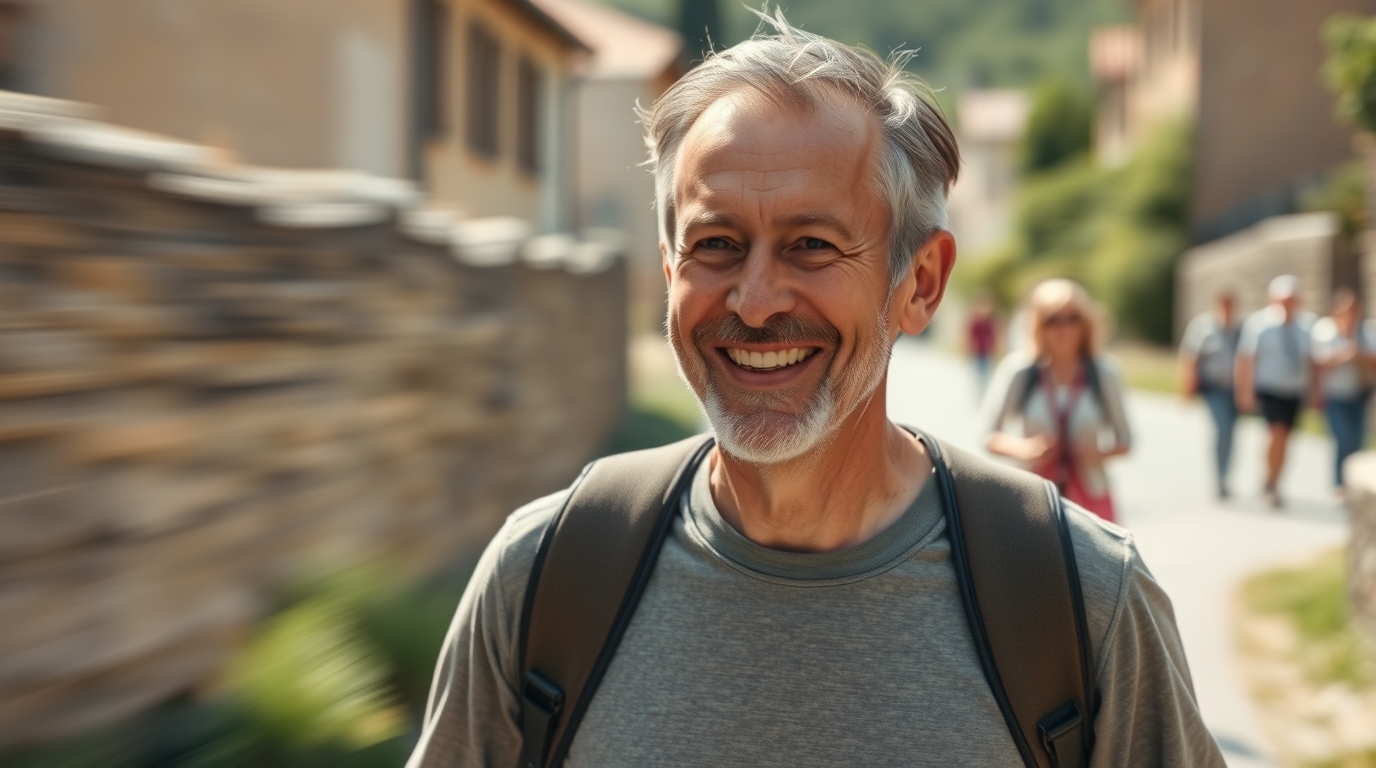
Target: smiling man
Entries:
(803, 591)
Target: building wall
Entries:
(483, 186)
(1309, 246)
(196, 406)
(306, 83)
(616, 189)
(1265, 122)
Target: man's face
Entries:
(1289, 303)
(778, 272)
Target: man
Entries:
(1273, 371)
(803, 610)
(1207, 354)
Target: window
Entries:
(529, 87)
(484, 70)
(433, 32)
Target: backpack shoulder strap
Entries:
(588, 575)
(1015, 566)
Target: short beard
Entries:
(761, 433)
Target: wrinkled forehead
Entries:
(746, 142)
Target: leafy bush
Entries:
(335, 679)
(1351, 67)
(1058, 129)
(1120, 231)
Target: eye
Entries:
(815, 244)
(715, 244)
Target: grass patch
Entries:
(662, 408)
(336, 678)
(1313, 600)
(1148, 367)
(1310, 671)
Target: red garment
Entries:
(981, 335)
(1059, 467)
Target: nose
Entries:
(761, 289)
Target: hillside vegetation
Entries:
(962, 43)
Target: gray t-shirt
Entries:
(1342, 381)
(742, 655)
(1279, 349)
(1211, 345)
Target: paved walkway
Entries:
(1198, 549)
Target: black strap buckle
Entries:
(1062, 734)
(541, 702)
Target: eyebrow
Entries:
(709, 219)
(825, 219)
(714, 219)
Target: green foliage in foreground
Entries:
(1058, 129)
(1314, 599)
(336, 679)
(1351, 67)
(1120, 231)
(960, 43)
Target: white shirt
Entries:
(1344, 381)
(1279, 350)
(1089, 423)
(1212, 346)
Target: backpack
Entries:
(1010, 547)
(1029, 378)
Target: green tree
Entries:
(1058, 130)
(1351, 67)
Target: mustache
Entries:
(778, 329)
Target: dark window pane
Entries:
(484, 71)
(528, 92)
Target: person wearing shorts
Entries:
(1273, 367)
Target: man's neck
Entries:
(837, 496)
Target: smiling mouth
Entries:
(768, 361)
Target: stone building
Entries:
(989, 124)
(1246, 72)
(215, 378)
(469, 97)
(632, 62)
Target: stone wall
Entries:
(1307, 245)
(215, 378)
(1360, 475)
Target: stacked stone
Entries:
(214, 379)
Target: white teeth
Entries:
(767, 361)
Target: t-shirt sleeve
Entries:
(1000, 401)
(1323, 340)
(1250, 336)
(1193, 339)
(1111, 383)
(1147, 704)
(473, 715)
(1368, 335)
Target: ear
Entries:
(664, 262)
(923, 287)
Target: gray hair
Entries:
(920, 160)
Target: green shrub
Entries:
(1059, 128)
(1120, 231)
(1351, 67)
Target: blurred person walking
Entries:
(981, 337)
(1273, 371)
(796, 588)
(1207, 357)
(1344, 351)
(1058, 407)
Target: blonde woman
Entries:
(1057, 405)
